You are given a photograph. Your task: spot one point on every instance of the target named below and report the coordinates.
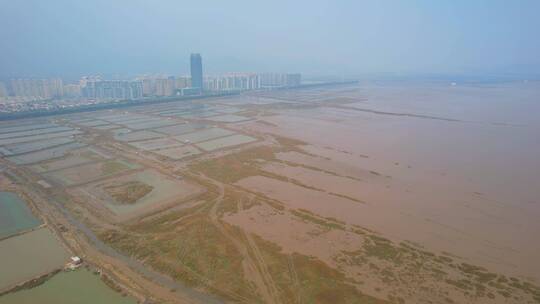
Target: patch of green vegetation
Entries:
(112, 167)
(332, 219)
(504, 293)
(193, 251)
(444, 259)
(347, 197)
(292, 164)
(234, 167)
(231, 200)
(308, 280)
(388, 276)
(251, 203)
(275, 204)
(396, 299)
(382, 248)
(129, 192)
(162, 223)
(288, 142)
(481, 274)
(502, 279)
(32, 283)
(297, 182)
(463, 284)
(310, 217)
(438, 273)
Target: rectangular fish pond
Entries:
(15, 216)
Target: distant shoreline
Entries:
(140, 102)
(104, 106)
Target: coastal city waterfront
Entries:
(31, 96)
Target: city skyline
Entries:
(22, 90)
(97, 87)
(31, 95)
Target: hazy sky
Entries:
(70, 38)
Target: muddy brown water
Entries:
(468, 185)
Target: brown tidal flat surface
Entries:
(371, 193)
(469, 188)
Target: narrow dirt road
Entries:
(254, 266)
(52, 208)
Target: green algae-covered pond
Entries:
(76, 287)
(15, 216)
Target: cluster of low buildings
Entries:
(74, 263)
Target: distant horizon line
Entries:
(472, 76)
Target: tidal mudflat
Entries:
(442, 150)
(370, 193)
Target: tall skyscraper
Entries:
(196, 71)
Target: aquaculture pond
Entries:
(75, 287)
(28, 256)
(15, 216)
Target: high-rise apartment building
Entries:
(165, 86)
(149, 87)
(270, 80)
(162, 85)
(113, 89)
(251, 81)
(183, 82)
(196, 71)
(233, 82)
(72, 90)
(37, 88)
(3, 90)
